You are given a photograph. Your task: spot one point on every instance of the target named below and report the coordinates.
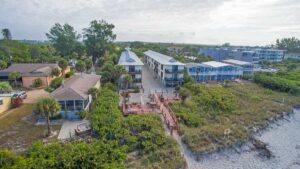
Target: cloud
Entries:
(190, 21)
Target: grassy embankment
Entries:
(216, 117)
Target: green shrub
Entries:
(69, 74)
(82, 114)
(37, 83)
(55, 83)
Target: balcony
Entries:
(137, 81)
(174, 71)
(135, 71)
(173, 79)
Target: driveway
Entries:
(150, 83)
(34, 95)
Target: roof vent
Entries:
(130, 60)
(172, 60)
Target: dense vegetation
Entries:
(288, 44)
(26, 53)
(287, 79)
(135, 142)
(214, 117)
(284, 82)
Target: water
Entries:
(282, 138)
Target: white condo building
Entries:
(134, 67)
(213, 71)
(247, 67)
(167, 69)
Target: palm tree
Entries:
(118, 72)
(63, 64)
(47, 107)
(6, 34)
(94, 92)
(5, 87)
(184, 93)
(127, 79)
(80, 66)
(14, 76)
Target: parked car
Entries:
(21, 94)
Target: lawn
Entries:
(18, 129)
(211, 121)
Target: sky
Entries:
(239, 22)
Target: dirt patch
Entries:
(18, 129)
(34, 95)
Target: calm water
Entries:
(283, 139)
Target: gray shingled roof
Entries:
(76, 88)
(30, 69)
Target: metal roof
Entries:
(129, 58)
(236, 62)
(163, 59)
(215, 64)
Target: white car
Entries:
(21, 94)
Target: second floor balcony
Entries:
(135, 71)
(173, 79)
(174, 70)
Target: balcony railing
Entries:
(173, 79)
(137, 81)
(135, 71)
(173, 71)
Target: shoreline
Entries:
(251, 144)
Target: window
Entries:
(79, 105)
(62, 105)
(70, 105)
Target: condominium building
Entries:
(248, 54)
(213, 71)
(270, 55)
(295, 56)
(247, 67)
(134, 67)
(217, 54)
(167, 69)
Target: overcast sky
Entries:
(240, 22)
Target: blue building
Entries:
(165, 68)
(213, 71)
(247, 67)
(247, 54)
(217, 54)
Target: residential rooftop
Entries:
(30, 69)
(163, 59)
(215, 64)
(129, 58)
(236, 62)
(77, 87)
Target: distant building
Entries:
(248, 54)
(270, 55)
(30, 72)
(247, 67)
(134, 67)
(217, 54)
(213, 71)
(73, 96)
(295, 56)
(167, 69)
